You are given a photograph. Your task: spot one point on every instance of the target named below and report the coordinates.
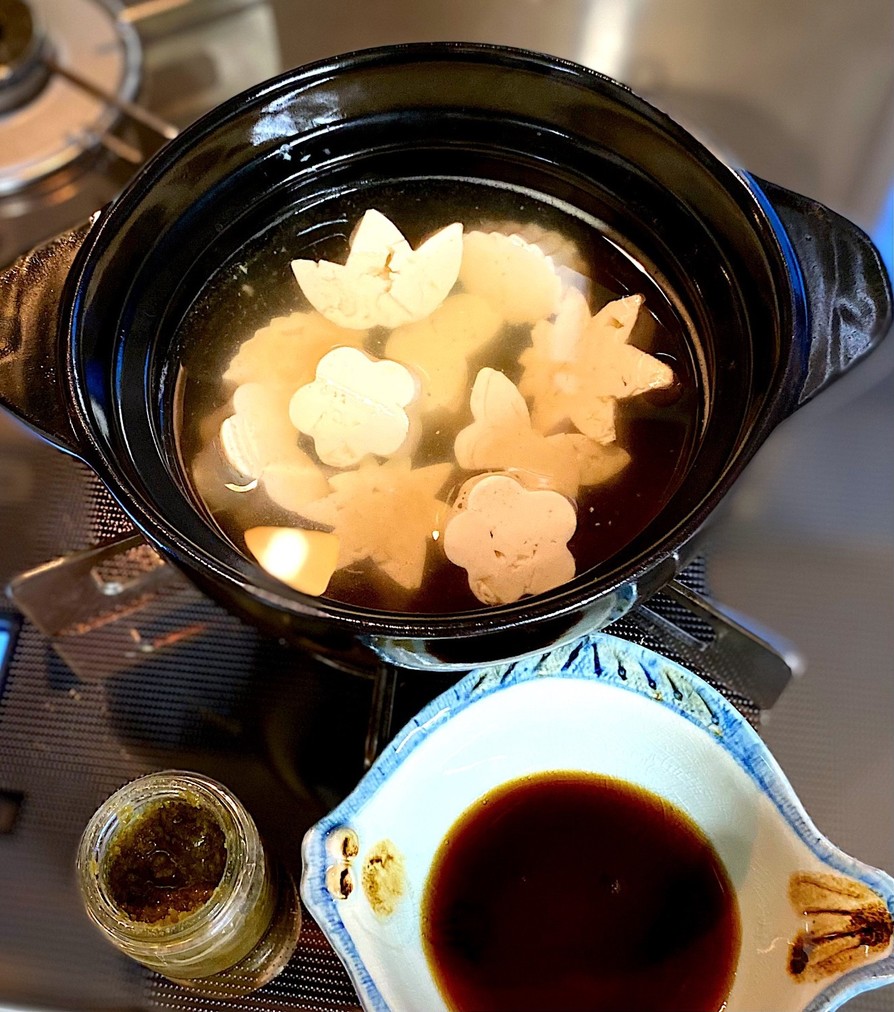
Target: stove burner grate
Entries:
(48, 119)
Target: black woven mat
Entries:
(194, 689)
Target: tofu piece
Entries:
(259, 431)
(559, 247)
(294, 481)
(598, 463)
(388, 513)
(439, 347)
(578, 367)
(383, 282)
(287, 350)
(354, 407)
(261, 445)
(517, 278)
(501, 438)
(304, 560)
(511, 541)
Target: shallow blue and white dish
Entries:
(600, 705)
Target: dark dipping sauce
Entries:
(166, 863)
(575, 891)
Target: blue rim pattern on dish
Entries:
(626, 665)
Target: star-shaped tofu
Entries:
(501, 439)
(287, 350)
(439, 347)
(388, 513)
(578, 367)
(516, 277)
(383, 282)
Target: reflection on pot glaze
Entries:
(846, 923)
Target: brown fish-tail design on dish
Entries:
(845, 924)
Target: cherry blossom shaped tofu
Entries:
(516, 277)
(512, 541)
(578, 367)
(261, 445)
(388, 513)
(384, 282)
(304, 560)
(354, 407)
(287, 350)
(439, 347)
(501, 439)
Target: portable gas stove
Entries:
(115, 665)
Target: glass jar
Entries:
(230, 943)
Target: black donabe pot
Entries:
(782, 294)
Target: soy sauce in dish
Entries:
(575, 891)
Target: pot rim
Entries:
(564, 600)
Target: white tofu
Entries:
(259, 431)
(287, 350)
(261, 445)
(389, 513)
(354, 407)
(512, 541)
(517, 278)
(439, 347)
(383, 282)
(501, 438)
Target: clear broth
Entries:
(657, 429)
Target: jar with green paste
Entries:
(173, 872)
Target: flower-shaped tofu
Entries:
(510, 540)
(287, 350)
(579, 366)
(517, 278)
(383, 282)
(439, 347)
(259, 442)
(354, 407)
(305, 560)
(501, 439)
(388, 513)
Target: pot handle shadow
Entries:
(31, 363)
(847, 290)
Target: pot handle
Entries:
(847, 291)
(30, 296)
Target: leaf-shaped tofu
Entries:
(439, 347)
(354, 407)
(287, 350)
(388, 513)
(501, 438)
(516, 277)
(383, 282)
(578, 367)
(512, 541)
